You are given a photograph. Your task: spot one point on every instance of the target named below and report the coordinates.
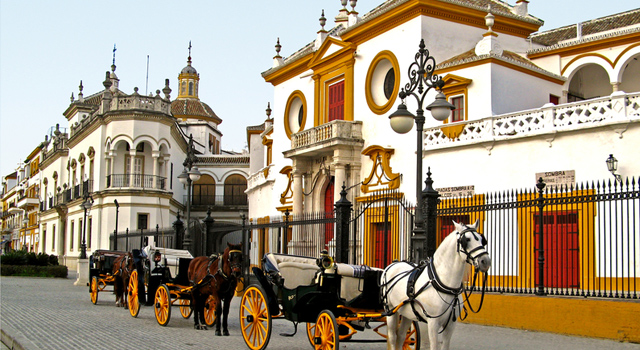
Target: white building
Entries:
(526, 103)
(126, 151)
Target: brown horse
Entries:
(122, 268)
(217, 276)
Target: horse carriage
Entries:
(337, 300)
(105, 269)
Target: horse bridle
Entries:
(235, 262)
(462, 245)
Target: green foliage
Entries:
(34, 271)
(21, 257)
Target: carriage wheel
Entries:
(132, 295)
(326, 334)
(93, 289)
(311, 332)
(162, 305)
(210, 311)
(185, 308)
(255, 319)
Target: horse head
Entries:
(472, 246)
(232, 258)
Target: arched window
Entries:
(204, 191)
(234, 187)
(190, 88)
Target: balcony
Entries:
(138, 181)
(28, 202)
(239, 200)
(326, 138)
(615, 111)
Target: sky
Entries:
(47, 47)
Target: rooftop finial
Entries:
(113, 64)
(189, 58)
(323, 20)
(80, 95)
(353, 5)
(344, 3)
(268, 110)
(278, 48)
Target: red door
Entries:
(446, 224)
(560, 249)
(382, 248)
(336, 101)
(328, 210)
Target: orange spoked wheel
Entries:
(162, 305)
(132, 295)
(185, 308)
(311, 332)
(326, 335)
(93, 289)
(255, 319)
(210, 311)
(411, 341)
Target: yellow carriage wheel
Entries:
(255, 318)
(311, 332)
(93, 289)
(132, 295)
(210, 311)
(162, 305)
(185, 308)
(326, 334)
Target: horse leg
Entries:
(448, 332)
(218, 313)
(225, 314)
(434, 327)
(117, 289)
(405, 323)
(392, 334)
(203, 301)
(195, 296)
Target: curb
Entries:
(14, 340)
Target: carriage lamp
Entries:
(421, 81)
(612, 165)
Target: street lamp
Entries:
(86, 205)
(25, 223)
(115, 231)
(189, 175)
(421, 79)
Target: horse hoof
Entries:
(218, 333)
(226, 332)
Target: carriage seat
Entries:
(295, 270)
(355, 278)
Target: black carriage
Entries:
(100, 271)
(334, 300)
(161, 281)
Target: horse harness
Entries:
(435, 281)
(220, 271)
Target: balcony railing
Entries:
(337, 131)
(209, 200)
(67, 195)
(136, 181)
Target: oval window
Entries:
(382, 83)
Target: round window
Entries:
(383, 83)
(295, 113)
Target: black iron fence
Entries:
(129, 239)
(562, 240)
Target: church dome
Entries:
(189, 69)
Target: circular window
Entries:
(295, 113)
(383, 82)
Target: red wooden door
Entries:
(336, 101)
(382, 248)
(560, 249)
(328, 209)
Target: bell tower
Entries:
(189, 80)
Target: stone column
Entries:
(297, 191)
(155, 155)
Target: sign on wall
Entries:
(457, 191)
(558, 178)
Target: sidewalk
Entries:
(47, 313)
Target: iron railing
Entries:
(128, 240)
(588, 234)
(213, 200)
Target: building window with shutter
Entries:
(336, 101)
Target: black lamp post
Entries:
(115, 231)
(189, 175)
(86, 205)
(422, 79)
(612, 165)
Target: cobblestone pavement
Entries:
(46, 313)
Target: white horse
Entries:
(434, 294)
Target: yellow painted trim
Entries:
(375, 108)
(592, 54)
(287, 196)
(587, 47)
(453, 131)
(374, 197)
(453, 86)
(288, 71)
(292, 97)
(608, 319)
(380, 156)
(504, 64)
(615, 62)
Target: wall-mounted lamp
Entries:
(612, 165)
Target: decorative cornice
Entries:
(587, 44)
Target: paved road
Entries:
(46, 313)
